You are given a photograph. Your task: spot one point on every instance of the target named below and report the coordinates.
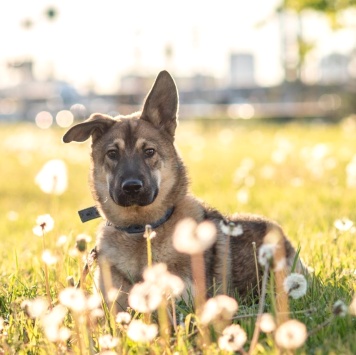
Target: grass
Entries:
(294, 173)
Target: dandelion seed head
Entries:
(155, 272)
(233, 338)
(141, 332)
(292, 334)
(93, 301)
(265, 254)
(48, 258)
(218, 307)
(35, 308)
(160, 276)
(145, 297)
(191, 238)
(112, 294)
(52, 178)
(44, 224)
(61, 241)
(51, 323)
(74, 299)
(295, 285)
(123, 318)
(231, 228)
(96, 313)
(267, 323)
(107, 341)
(343, 224)
(243, 195)
(340, 309)
(12, 216)
(74, 253)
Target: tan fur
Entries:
(125, 254)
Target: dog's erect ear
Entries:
(96, 125)
(161, 104)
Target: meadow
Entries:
(302, 175)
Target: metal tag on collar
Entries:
(88, 214)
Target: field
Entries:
(302, 175)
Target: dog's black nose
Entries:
(132, 186)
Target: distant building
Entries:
(242, 70)
(334, 69)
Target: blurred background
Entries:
(272, 59)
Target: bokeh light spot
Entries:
(64, 118)
(44, 119)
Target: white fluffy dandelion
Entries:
(292, 334)
(141, 332)
(107, 341)
(123, 318)
(295, 285)
(159, 275)
(145, 297)
(192, 238)
(340, 309)
(52, 324)
(343, 224)
(74, 299)
(44, 224)
(233, 338)
(35, 308)
(52, 178)
(48, 258)
(265, 254)
(218, 307)
(231, 228)
(267, 323)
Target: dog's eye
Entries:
(113, 154)
(149, 152)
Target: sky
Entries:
(92, 43)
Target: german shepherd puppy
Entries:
(137, 178)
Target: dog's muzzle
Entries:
(133, 191)
(132, 187)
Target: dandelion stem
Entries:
(80, 339)
(163, 321)
(198, 273)
(256, 265)
(48, 291)
(149, 253)
(282, 306)
(261, 306)
(147, 235)
(174, 314)
(226, 256)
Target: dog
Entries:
(138, 178)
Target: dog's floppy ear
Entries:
(161, 104)
(96, 125)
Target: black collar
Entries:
(140, 228)
(92, 212)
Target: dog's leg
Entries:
(113, 286)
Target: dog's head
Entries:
(134, 160)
